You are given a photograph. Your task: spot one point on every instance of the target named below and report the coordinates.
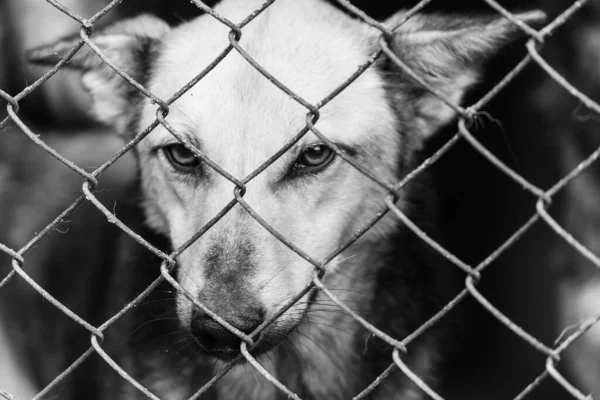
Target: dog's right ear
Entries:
(447, 52)
(130, 45)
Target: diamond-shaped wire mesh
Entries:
(469, 117)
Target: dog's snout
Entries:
(214, 337)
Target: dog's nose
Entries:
(214, 337)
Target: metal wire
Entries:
(399, 347)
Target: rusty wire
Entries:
(399, 346)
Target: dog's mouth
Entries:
(226, 346)
(221, 354)
(216, 340)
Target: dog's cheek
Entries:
(154, 217)
(280, 273)
(166, 215)
(356, 202)
(166, 203)
(153, 194)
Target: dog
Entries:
(237, 119)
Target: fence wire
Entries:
(466, 118)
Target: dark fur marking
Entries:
(227, 266)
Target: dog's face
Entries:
(239, 119)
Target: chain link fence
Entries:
(468, 117)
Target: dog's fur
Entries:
(238, 119)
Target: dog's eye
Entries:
(181, 158)
(314, 159)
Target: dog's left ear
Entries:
(448, 53)
(130, 45)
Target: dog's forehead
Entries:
(308, 46)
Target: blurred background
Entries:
(537, 128)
